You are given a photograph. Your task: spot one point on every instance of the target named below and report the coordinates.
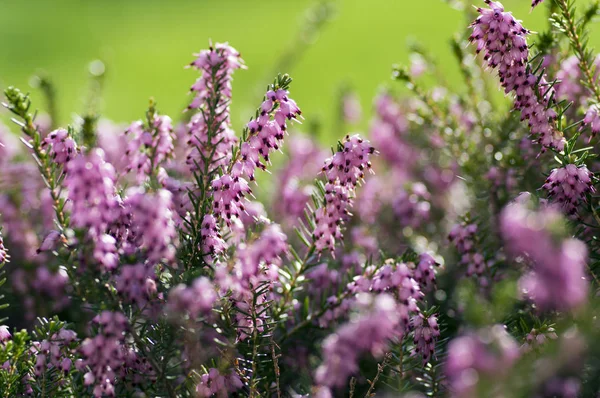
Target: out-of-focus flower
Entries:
(488, 354)
(557, 279)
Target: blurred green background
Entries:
(145, 44)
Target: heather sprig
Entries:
(577, 33)
(19, 104)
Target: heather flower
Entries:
(412, 205)
(418, 65)
(149, 146)
(152, 223)
(265, 135)
(488, 354)
(343, 172)
(463, 236)
(9, 145)
(500, 177)
(568, 186)
(52, 284)
(136, 284)
(105, 252)
(568, 387)
(221, 61)
(322, 279)
(540, 284)
(557, 279)
(369, 332)
(214, 384)
(426, 330)
(62, 148)
(4, 334)
(537, 337)
(210, 135)
(348, 166)
(18, 229)
(55, 352)
(212, 242)
(110, 138)
(182, 204)
(228, 196)
(50, 241)
(592, 119)
(256, 266)
(425, 272)
(196, 300)
(105, 354)
(255, 263)
(328, 219)
(504, 42)
(90, 183)
(395, 279)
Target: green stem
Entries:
(575, 39)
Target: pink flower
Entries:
(4, 334)
(569, 186)
(62, 148)
(343, 171)
(503, 40)
(149, 147)
(489, 353)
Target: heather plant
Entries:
(451, 250)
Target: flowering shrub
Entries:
(451, 251)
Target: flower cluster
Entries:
(568, 186)
(90, 184)
(557, 279)
(343, 172)
(61, 146)
(210, 135)
(198, 299)
(55, 352)
(152, 223)
(369, 333)
(255, 268)
(214, 384)
(425, 271)
(212, 241)
(149, 146)
(463, 237)
(412, 205)
(393, 278)
(266, 133)
(104, 356)
(136, 283)
(537, 337)
(504, 40)
(426, 331)
(489, 354)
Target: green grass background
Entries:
(145, 45)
